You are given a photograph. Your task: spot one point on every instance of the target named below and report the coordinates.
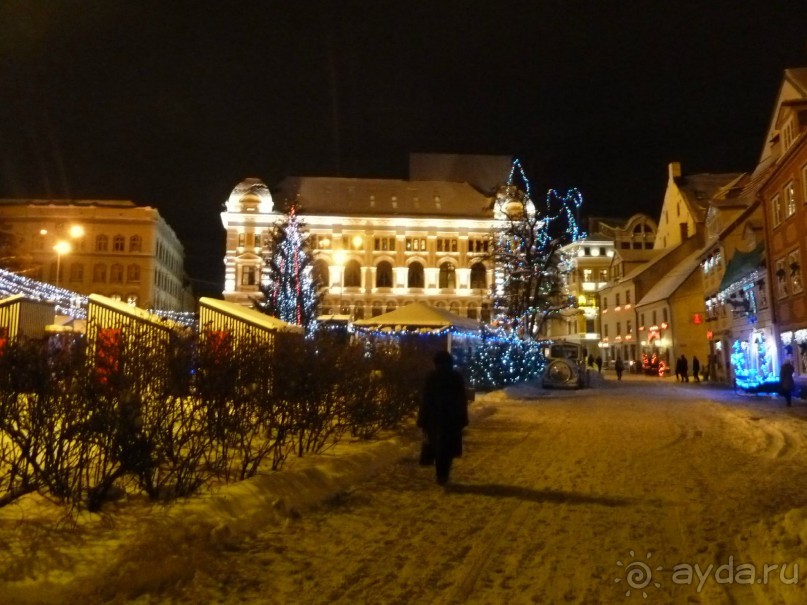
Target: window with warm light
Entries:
(776, 210)
(790, 199)
(101, 243)
(415, 275)
(118, 243)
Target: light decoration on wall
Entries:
(751, 364)
(786, 338)
(800, 336)
(67, 302)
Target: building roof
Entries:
(68, 202)
(483, 172)
(667, 285)
(742, 264)
(419, 315)
(385, 197)
(700, 189)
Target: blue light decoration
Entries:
(527, 246)
(751, 365)
(67, 302)
(290, 292)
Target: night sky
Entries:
(172, 103)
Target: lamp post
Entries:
(340, 258)
(61, 247)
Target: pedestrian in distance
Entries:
(786, 381)
(598, 361)
(590, 360)
(696, 368)
(443, 414)
(678, 369)
(619, 367)
(684, 369)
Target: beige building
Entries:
(378, 244)
(109, 247)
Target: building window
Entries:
(605, 330)
(76, 272)
(99, 273)
(248, 276)
(628, 327)
(794, 268)
(479, 276)
(781, 278)
(135, 244)
(101, 243)
(383, 275)
(116, 274)
(415, 275)
(472, 312)
(320, 273)
(133, 273)
(118, 243)
(448, 276)
(477, 244)
(132, 299)
(352, 274)
(384, 244)
(415, 244)
(616, 299)
(320, 242)
(776, 210)
(604, 303)
(446, 244)
(627, 297)
(353, 242)
(587, 274)
(790, 199)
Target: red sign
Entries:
(697, 319)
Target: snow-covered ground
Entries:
(680, 492)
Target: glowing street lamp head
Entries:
(76, 231)
(339, 257)
(62, 247)
(357, 241)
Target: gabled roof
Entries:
(667, 285)
(742, 264)
(698, 190)
(419, 315)
(384, 197)
(250, 316)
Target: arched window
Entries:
(135, 244)
(119, 243)
(116, 274)
(486, 313)
(353, 274)
(101, 243)
(99, 273)
(383, 275)
(479, 276)
(448, 276)
(133, 273)
(376, 309)
(454, 307)
(415, 275)
(472, 312)
(320, 273)
(391, 306)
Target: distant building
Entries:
(110, 247)
(587, 266)
(378, 244)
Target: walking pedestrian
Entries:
(590, 360)
(696, 368)
(443, 414)
(598, 361)
(684, 369)
(619, 367)
(786, 380)
(678, 368)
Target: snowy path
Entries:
(551, 494)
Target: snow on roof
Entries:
(130, 310)
(419, 314)
(248, 315)
(668, 284)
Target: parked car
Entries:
(565, 366)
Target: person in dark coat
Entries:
(786, 381)
(444, 413)
(696, 368)
(684, 369)
(598, 361)
(619, 366)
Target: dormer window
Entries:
(790, 132)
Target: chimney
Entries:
(674, 169)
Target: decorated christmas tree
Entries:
(288, 286)
(527, 253)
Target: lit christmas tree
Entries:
(527, 279)
(288, 286)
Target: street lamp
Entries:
(340, 258)
(61, 247)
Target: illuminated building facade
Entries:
(109, 247)
(378, 244)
